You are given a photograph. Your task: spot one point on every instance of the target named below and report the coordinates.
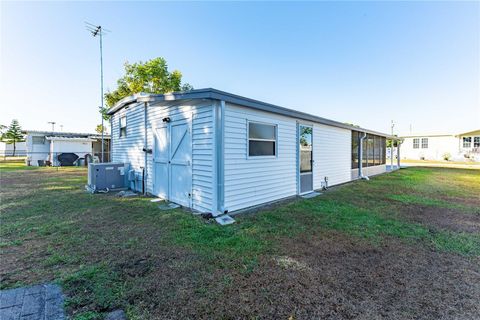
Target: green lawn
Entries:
(7, 166)
(111, 252)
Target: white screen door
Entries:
(305, 136)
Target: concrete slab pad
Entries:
(311, 195)
(168, 206)
(225, 220)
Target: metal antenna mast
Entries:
(100, 32)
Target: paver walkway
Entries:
(41, 302)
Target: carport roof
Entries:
(214, 94)
(71, 139)
(65, 134)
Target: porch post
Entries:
(398, 154)
(391, 154)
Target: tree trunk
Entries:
(14, 147)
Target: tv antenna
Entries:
(98, 30)
(53, 125)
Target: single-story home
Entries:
(458, 147)
(217, 152)
(6, 149)
(58, 148)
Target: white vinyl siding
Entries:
(332, 152)
(251, 181)
(438, 147)
(36, 151)
(424, 143)
(202, 149)
(248, 181)
(130, 147)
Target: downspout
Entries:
(360, 158)
(144, 173)
(220, 155)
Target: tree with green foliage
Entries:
(2, 131)
(99, 128)
(14, 135)
(149, 77)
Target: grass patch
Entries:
(210, 238)
(95, 287)
(432, 202)
(68, 227)
(15, 166)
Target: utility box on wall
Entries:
(107, 176)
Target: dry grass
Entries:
(394, 247)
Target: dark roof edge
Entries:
(214, 94)
(64, 134)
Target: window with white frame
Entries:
(38, 140)
(476, 142)
(416, 143)
(123, 126)
(262, 139)
(467, 142)
(424, 143)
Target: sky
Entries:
(366, 63)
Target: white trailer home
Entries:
(217, 152)
(458, 147)
(45, 146)
(6, 149)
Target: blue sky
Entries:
(364, 63)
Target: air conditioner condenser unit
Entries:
(104, 177)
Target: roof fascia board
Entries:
(214, 94)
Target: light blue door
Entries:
(160, 162)
(172, 161)
(180, 162)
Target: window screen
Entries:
(384, 147)
(476, 142)
(355, 145)
(416, 143)
(424, 143)
(123, 126)
(378, 150)
(371, 150)
(38, 140)
(467, 142)
(262, 139)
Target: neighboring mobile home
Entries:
(46, 146)
(217, 152)
(6, 149)
(458, 147)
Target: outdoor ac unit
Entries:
(104, 177)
